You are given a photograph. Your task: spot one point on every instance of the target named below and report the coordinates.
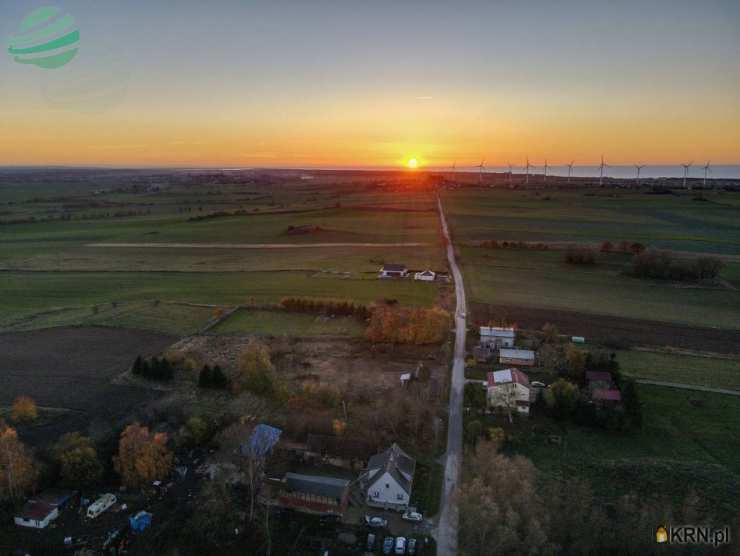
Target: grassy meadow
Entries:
(279, 323)
(712, 372)
(687, 438)
(54, 275)
(542, 279)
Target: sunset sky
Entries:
(375, 82)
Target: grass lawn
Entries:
(688, 439)
(662, 221)
(686, 369)
(276, 323)
(543, 279)
(427, 487)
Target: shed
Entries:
(516, 357)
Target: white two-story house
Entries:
(508, 391)
(389, 478)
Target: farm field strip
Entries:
(256, 245)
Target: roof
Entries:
(390, 267)
(55, 497)
(36, 510)
(316, 485)
(498, 332)
(601, 376)
(516, 353)
(426, 273)
(507, 376)
(397, 463)
(610, 394)
(262, 441)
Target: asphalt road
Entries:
(449, 516)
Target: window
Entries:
(399, 496)
(387, 485)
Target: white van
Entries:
(100, 505)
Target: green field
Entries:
(684, 369)
(53, 276)
(279, 323)
(681, 444)
(542, 279)
(663, 221)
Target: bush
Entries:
(325, 306)
(580, 256)
(562, 398)
(24, 410)
(662, 265)
(474, 396)
(402, 325)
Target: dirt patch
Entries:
(345, 364)
(72, 368)
(605, 328)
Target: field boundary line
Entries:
(256, 245)
(693, 387)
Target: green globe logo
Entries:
(47, 38)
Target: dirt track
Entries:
(603, 328)
(254, 245)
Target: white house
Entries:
(389, 478)
(508, 390)
(394, 271)
(425, 276)
(497, 337)
(516, 357)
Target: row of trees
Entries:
(663, 265)
(495, 244)
(405, 325)
(325, 306)
(156, 368)
(510, 508)
(580, 256)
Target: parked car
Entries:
(376, 522)
(411, 547)
(370, 542)
(400, 545)
(388, 545)
(412, 515)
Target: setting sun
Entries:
(412, 163)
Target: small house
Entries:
(313, 493)
(389, 478)
(425, 276)
(516, 357)
(394, 271)
(598, 380)
(508, 390)
(497, 337)
(44, 508)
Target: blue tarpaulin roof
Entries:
(140, 521)
(262, 440)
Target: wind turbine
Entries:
(570, 169)
(639, 168)
(480, 171)
(707, 171)
(686, 172)
(601, 170)
(545, 179)
(527, 170)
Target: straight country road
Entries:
(449, 516)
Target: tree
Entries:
(142, 457)
(562, 398)
(24, 410)
(216, 519)
(472, 432)
(18, 470)
(504, 514)
(474, 395)
(550, 333)
(576, 361)
(256, 369)
(78, 460)
(197, 430)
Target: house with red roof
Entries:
(508, 391)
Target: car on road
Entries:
(412, 515)
(376, 522)
(411, 546)
(388, 545)
(370, 542)
(400, 545)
